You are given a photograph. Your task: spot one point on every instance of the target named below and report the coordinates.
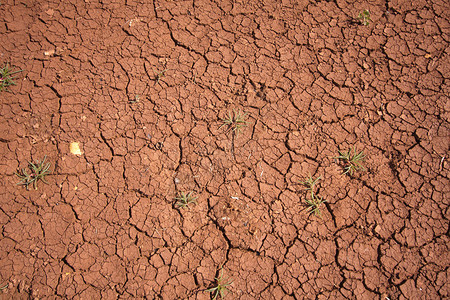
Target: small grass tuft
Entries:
(314, 205)
(314, 202)
(137, 98)
(352, 161)
(7, 78)
(235, 121)
(159, 75)
(310, 182)
(221, 286)
(364, 17)
(183, 200)
(39, 170)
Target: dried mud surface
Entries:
(143, 87)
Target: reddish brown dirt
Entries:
(313, 81)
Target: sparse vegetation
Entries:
(315, 201)
(159, 75)
(310, 182)
(136, 99)
(351, 160)
(7, 78)
(235, 121)
(364, 17)
(221, 286)
(183, 200)
(314, 205)
(39, 170)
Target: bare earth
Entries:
(143, 87)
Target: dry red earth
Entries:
(143, 87)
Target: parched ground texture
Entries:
(143, 87)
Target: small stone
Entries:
(49, 52)
(378, 229)
(75, 148)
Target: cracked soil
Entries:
(143, 87)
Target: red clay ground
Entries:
(143, 87)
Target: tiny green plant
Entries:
(351, 160)
(159, 75)
(7, 78)
(235, 121)
(364, 17)
(315, 201)
(220, 287)
(310, 182)
(314, 205)
(39, 170)
(183, 200)
(137, 98)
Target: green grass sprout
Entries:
(351, 160)
(310, 182)
(39, 170)
(314, 202)
(7, 78)
(137, 98)
(221, 286)
(183, 200)
(314, 205)
(364, 17)
(159, 75)
(235, 121)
